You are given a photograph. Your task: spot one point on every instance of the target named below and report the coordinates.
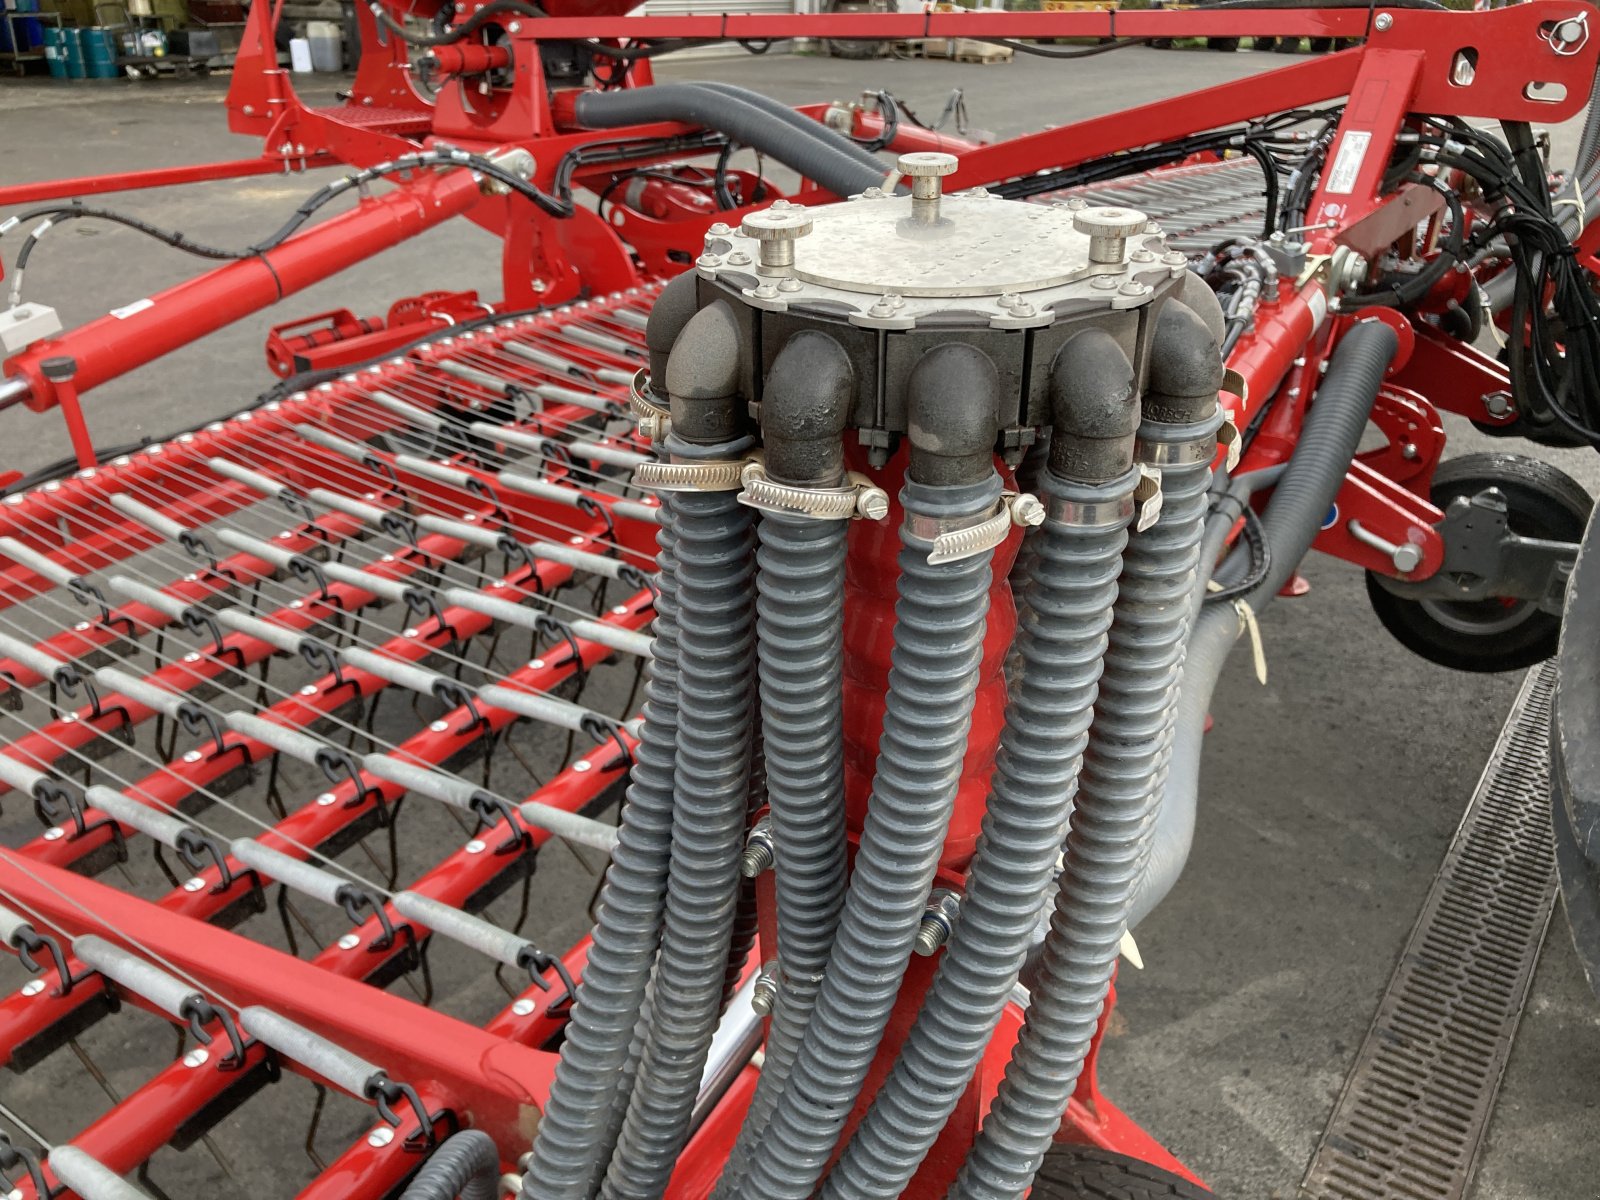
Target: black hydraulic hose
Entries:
(825, 157)
(466, 1165)
(1328, 441)
(799, 122)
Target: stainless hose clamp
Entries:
(715, 475)
(1094, 514)
(1179, 454)
(956, 538)
(653, 419)
(858, 498)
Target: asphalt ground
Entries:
(1330, 793)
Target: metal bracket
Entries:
(1484, 559)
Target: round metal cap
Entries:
(1109, 222)
(921, 163)
(777, 224)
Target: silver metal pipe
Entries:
(732, 1047)
(13, 391)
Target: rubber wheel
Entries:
(1288, 45)
(1265, 44)
(1486, 636)
(1321, 45)
(1088, 1173)
(1227, 45)
(1161, 43)
(853, 48)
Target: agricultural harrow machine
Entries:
(830, 568)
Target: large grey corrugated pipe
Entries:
(1061, 636)
(576, 1129)
(799, 122)
(1328, 441)
(819, 158)
(715, 577)
(938, 647)
(466, 1165)
(800, 623)
(1120, 781)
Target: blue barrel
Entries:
(100, 53)
(55, 51)
(30, 30)
(72, 48)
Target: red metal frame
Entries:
(497, 1075)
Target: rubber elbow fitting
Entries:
(1185, 367)
(703, 377)
(952, 415)
(668, 315)
(1094, 407)
(804, 410)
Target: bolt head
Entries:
(1026, 510)
(924, 163)
(349, 942)
(523, 1008)
(1103, 283)
(195, 1058)
(1142, 256)
(1406, 558)
(1383, 22)
(380, 1137)
(872, 503)
(33, 987)
(193, 884)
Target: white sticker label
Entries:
(1347, 163)
(1318, 304)
(128, 310)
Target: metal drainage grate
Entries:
(1415, 1106)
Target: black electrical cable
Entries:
(1253, 537)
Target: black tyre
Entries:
(1087, 1173)
(1490, 635)
(1161, 43)
(1288, 45)
(1264, 44)
(853, 48)
(1227, 45)
(1321, 45)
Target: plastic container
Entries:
(300, 56)
(72, 53)
(100, 52)
(28, 32)
(327, 47)
(55, 51)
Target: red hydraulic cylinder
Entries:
(146, 330)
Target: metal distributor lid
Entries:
(892, 261)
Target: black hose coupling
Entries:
(952, 415)
(1094, 407)
(703, 378)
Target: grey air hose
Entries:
(576, 1131)
(819, 157)
(938, 648)
(466, 1165)
(1061, 636)
(800, 628)
(572, 1143)
(1328, 441)
(799, 122)
(1120, 780)
(714, 560)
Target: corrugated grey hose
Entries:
(818, 156)
(1328, 441)
(716, 617)
(466, 1165)
(1060, 641)
(800, 614)
(1107, 842)
(938, 646)
(574, 1135)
